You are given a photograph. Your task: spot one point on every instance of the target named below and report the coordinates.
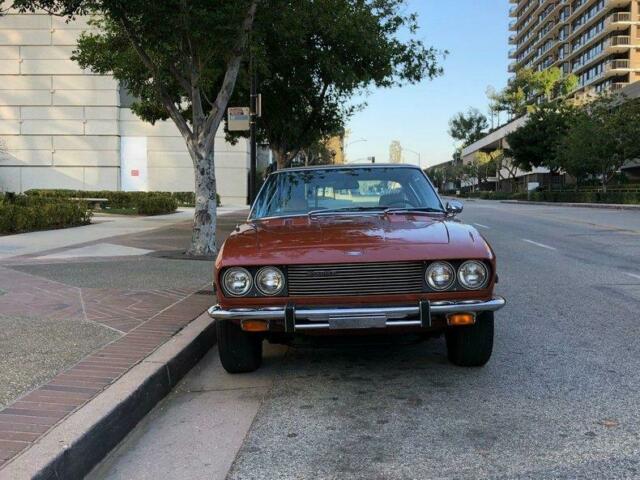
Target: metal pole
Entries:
(252, 132)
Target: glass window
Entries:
(298, 192)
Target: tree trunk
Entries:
(203, 238)
(281, 158)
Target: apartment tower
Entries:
(597, 40)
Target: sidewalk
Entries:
(77, 315)
(608, 206)
(102, 226)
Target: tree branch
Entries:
(208, 133)
(312, 116)
(166, 99)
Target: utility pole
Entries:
(253, 153)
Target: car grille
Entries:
(355, 279)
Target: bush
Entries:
(158, 204)
(118, 199)
(567, 196)
(20, 213)
(587, 197)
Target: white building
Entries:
(62, 127)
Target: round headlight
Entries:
(440, 275)
(270, 280)
(473, 275)
(237, 282)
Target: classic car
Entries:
(353, 250)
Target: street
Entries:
(559, 398)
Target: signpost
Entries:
(238, 119)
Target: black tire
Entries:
(471, 346)
(240, 352)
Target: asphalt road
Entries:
(559, 399)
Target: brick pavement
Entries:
(146, 318)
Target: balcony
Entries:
(619, 43)
(513, 10)
(512, 67)
(618, 66)
(617, 21)
(617, 86)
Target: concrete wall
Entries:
(61, 127)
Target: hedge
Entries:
(561, 196)
(120, 199)
(587, 197)
(20, 213)
(156, 205)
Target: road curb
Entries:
(608, 206)
(82, 440)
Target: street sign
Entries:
(238, 119)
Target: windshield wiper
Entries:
(414, 210)
(345, 210)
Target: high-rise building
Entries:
(597, 40)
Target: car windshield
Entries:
(313, 191)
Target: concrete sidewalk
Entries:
(607, 206)
(73, 319)
(102, 226)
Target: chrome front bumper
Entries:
(299, 319)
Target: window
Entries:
(297, 192)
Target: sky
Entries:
(475, 33)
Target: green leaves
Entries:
(528, 87)
(538, 141)
(468, 127)
(313, 57)
(602, 138)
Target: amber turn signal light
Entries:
(460, 319)
(255, 325)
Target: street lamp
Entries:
(355, 141)
(351, 143)
(417, 153)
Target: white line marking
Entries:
(481, 225)
(541, 245)
(633, 275)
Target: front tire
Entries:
(240, 352)
(471, 346)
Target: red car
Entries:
(353, 250)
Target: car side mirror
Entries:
(454, 207)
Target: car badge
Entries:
(355, 253)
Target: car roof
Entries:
(348, 166)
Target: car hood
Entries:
(351, 239)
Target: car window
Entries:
(302, 191)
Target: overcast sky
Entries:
(475, 32)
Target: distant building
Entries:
(63, 127)
(597, 40)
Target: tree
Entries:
(468, 127)
(180, 59)
(603, 137)
(322, 53)
(528, 88)
(489, 164)
(537, 142)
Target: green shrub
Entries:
(21, 213)
(586, 197)
(117, 199)
(158, 204)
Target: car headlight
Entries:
(237, 282)
(440, 275)
(473, 275)
(270, 281)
